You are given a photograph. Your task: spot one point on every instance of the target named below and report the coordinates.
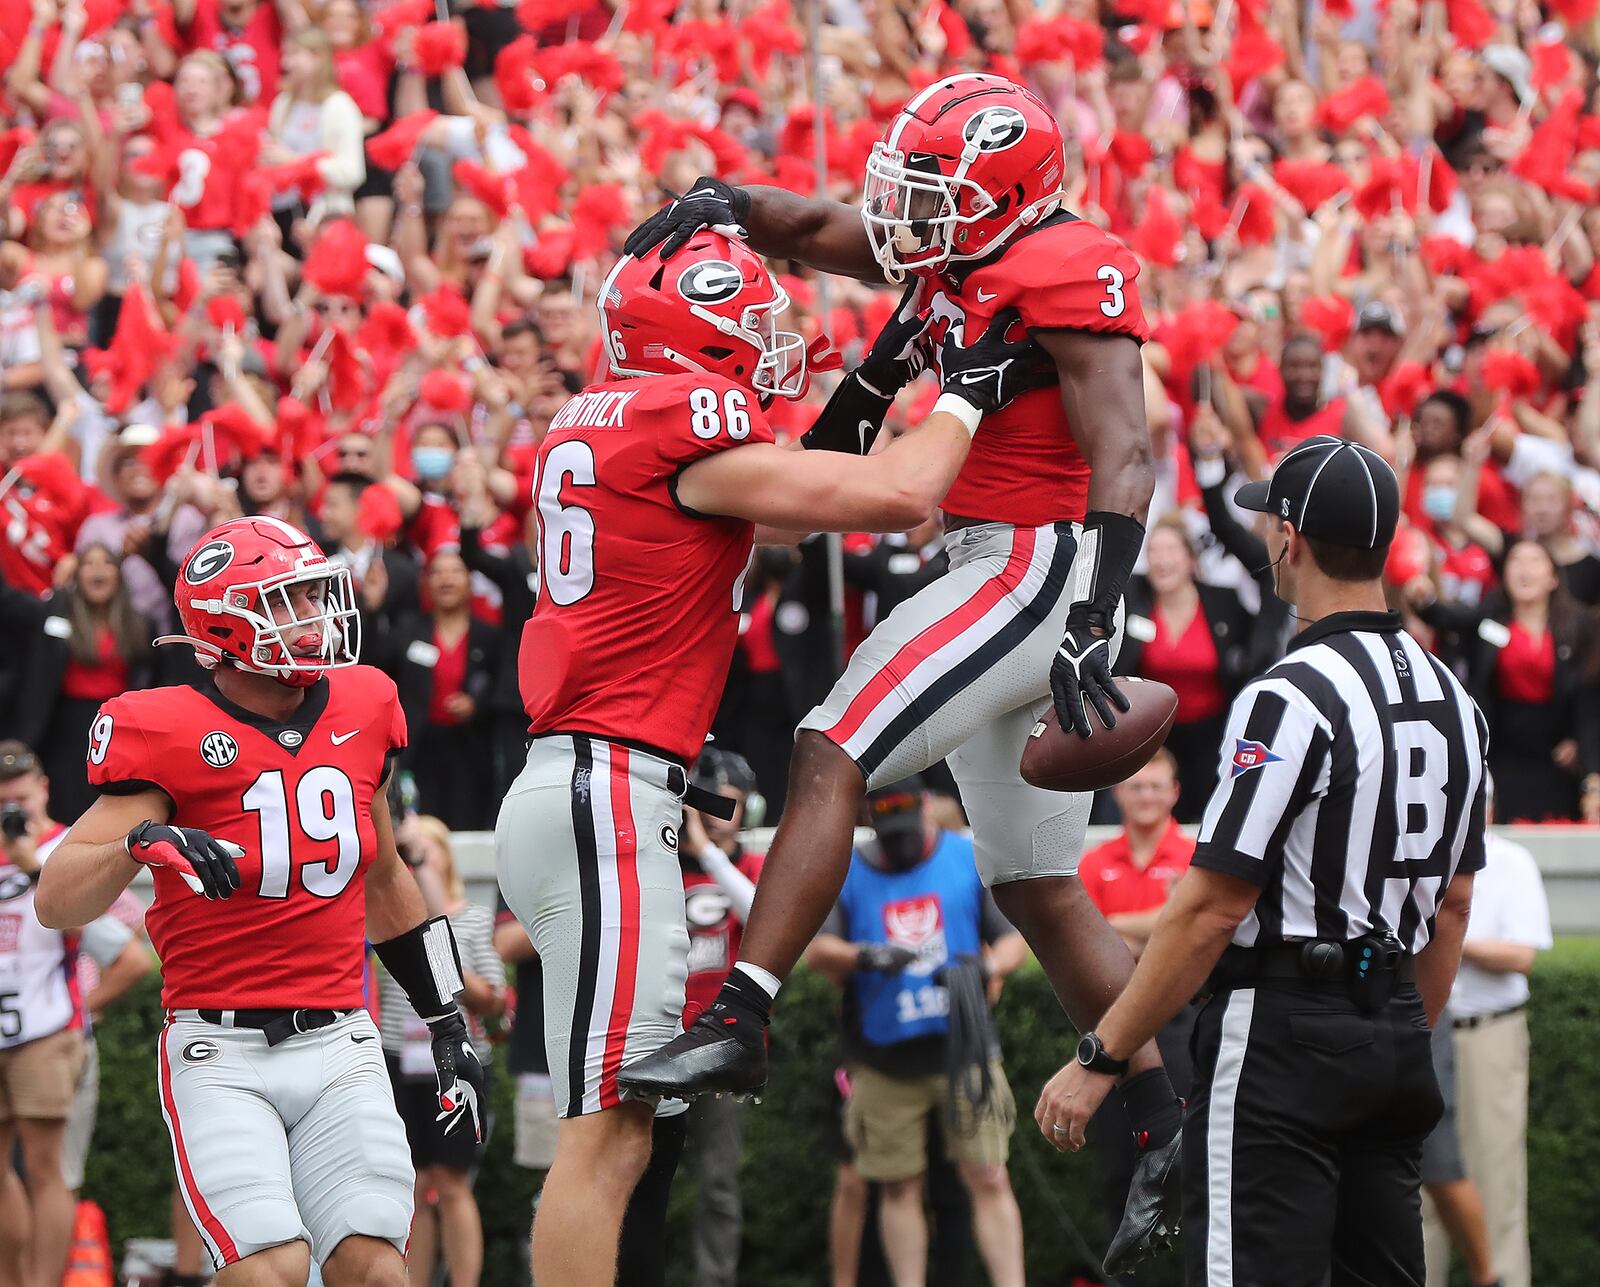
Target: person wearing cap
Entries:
(1322, 916)
(1374, 349)
(912, 905)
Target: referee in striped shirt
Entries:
(1323, 916)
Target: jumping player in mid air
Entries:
(964, 196)
(648, 490)
(257, 801)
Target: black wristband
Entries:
(1107, 551)
(851, 420)
(426, 963)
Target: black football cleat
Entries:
(1151, 1219)
(706, 1060)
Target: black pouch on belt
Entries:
(1373, 962)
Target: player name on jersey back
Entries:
(603, 410)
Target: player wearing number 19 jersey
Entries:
(648, 489)
(257, 800)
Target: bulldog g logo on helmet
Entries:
(210, 560)
(710, 282)
(995, 129)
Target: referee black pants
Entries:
(1303, 1140)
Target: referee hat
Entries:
(1333, 489)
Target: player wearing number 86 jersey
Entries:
(257, 800)
(648, 490)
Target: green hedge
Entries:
(788, 1169)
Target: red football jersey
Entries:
(42, 510)
(298, 797)
(637, 613)
(1025, 466)
(714, 933)
(253, 53)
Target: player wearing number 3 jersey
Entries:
(257, 801)
(648, 490)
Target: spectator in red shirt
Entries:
(1197, 638)
(248, 33)
(1129, 879)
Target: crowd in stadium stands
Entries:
(335, 261)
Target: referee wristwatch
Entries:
(1092, 1054)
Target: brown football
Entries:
(1061, 761)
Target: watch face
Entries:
(1086, 1051)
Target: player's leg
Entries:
(15, 1216)
(587, 858)
(360, 1261)
(349, 1159)
(231, 1153)
(937, 668)
(42, 1083)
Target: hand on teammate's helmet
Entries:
(463, 1094)
(709, 203)
(204, 863)
(885, 958)
(902, 350)
(1081, 673)
(992, 370)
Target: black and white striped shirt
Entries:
(1351, 787)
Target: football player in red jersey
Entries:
(647, 490)
(964, 197)
(257, 801)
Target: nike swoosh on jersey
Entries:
(339, 739)
(985, 296)
(360, 1037)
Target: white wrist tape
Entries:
(953, 404)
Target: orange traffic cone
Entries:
(89, 1265)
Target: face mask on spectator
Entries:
(1439, 502)
(432, 463)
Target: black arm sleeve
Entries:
(497, 568)
(1235, 538)
(426, 963)
(851, 420)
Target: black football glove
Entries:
(884, 958)
(901, 352)
(710, 203)
(1080, 675)
(463, 1091)
(203, 862)
(992, 370)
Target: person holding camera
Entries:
(44, 1045)
(912, 910)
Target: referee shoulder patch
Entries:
(1248, 754)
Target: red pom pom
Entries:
(1158, 238)
(1198, 332)
(401, 15)
(223, 311)
(539, 182)
(168, 453)
(1130, 152)
(1405, 387)
(551, 255)
(536, 15)
(1409, 556)
(1553, 63)
(1573, 12)
(1329, 316)
(337, 264)
(1254, 53)
(1365, 97)
(1210, 216)
(232, 425)
(447, 313)
(1258, 222)
(398, 144)
(1510, 373)
(378, 514)
(600, 208)
(1311, 183)
(438, 47)
(446, 391)
(516, 76)
(1469, 22)
(494, 190)
(386, 331)
(1447, 257)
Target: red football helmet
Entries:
(965, 164)
(712, 307)
(235, 602)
